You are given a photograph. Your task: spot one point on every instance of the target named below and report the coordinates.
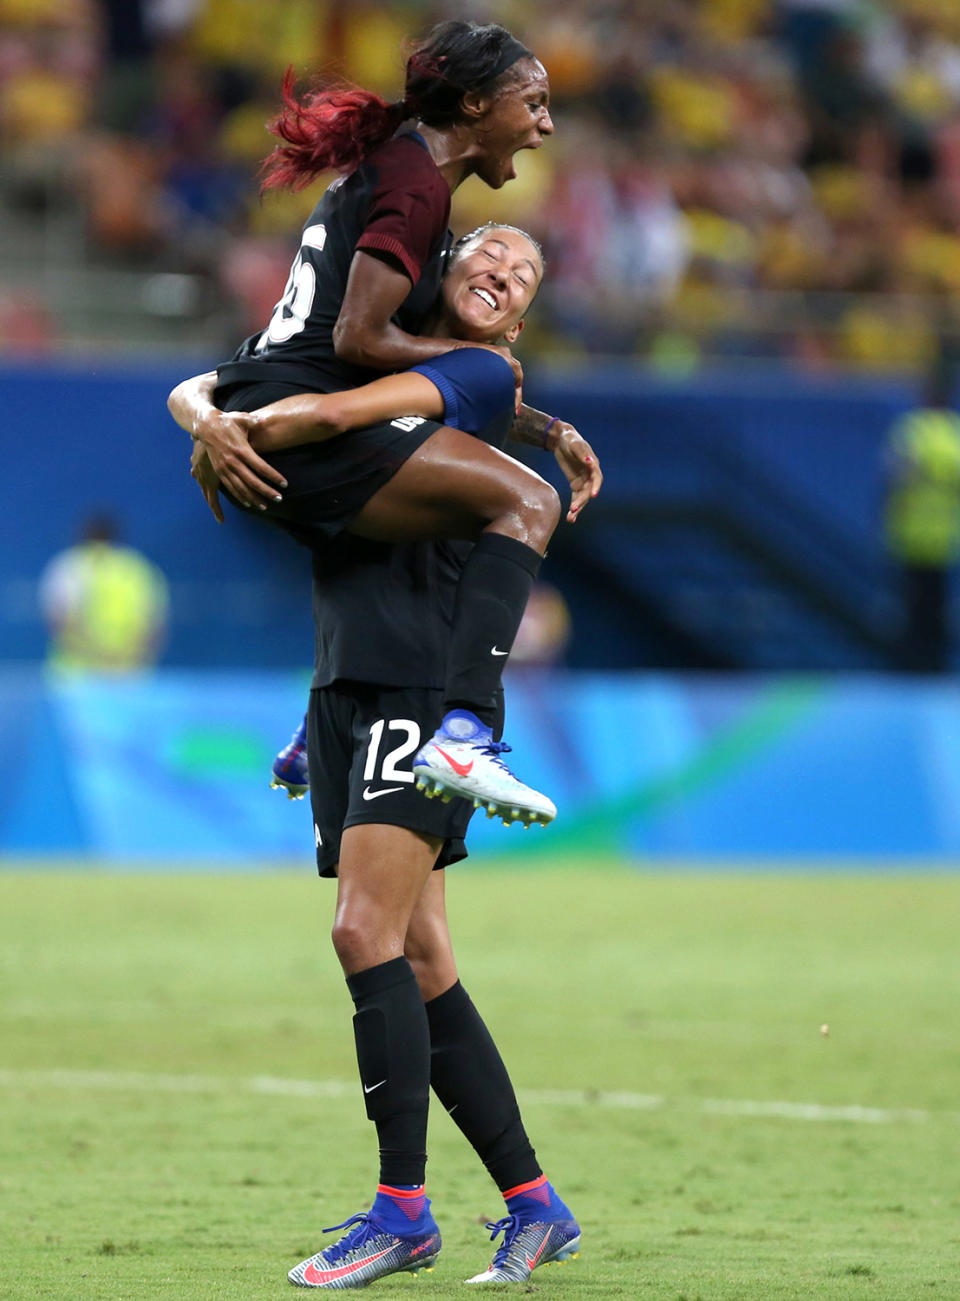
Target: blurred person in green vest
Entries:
(923, 519)
(105, 604)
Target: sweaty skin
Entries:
(485, 294)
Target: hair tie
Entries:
(547, 427)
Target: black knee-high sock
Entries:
(491, 598)
(468, 1076)
(393, 1052)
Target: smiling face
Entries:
(490, 285)
(515, 116)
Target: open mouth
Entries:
(486, 296)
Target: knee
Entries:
(537, 508)
(550, 505)
(357, 944)
(432, 961)
(545, 515)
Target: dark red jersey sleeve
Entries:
(410, 207)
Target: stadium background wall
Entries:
(739, 526)
(171, 769)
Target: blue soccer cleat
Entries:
(371, 1249)
(462, 758)
(290, 766)
(539, 1231)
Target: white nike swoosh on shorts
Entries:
(368, 794)
(494, 651)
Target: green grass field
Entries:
(181, 1115)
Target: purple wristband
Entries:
(546, 429)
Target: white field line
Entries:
(276, 1086)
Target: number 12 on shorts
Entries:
(389, 772)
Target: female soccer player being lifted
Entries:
(363, 281)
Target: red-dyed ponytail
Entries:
(325, 130)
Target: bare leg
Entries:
(382, 873)
(381, 876)
(454, 485)
(428, 946)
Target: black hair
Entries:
(457, 58)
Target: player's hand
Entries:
(578, 461)
(248, 478)
(206, 477)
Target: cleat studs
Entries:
(421, 784)
(476, 804)
(491, 810)
(446, 797)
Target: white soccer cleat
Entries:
(527, 1245)
(462, 758)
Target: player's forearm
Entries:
(386, 347)
(192, 400)
(535, 428)
(315, 417)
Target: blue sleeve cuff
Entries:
(451, 404)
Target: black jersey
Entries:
(395, 204)
(382, 611)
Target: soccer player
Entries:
(366, 275)
(383, 614)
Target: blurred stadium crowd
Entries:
(773, 178)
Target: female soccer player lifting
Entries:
(383, 613)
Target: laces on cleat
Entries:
(508, 1226)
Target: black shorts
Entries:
(329, 483)
(361, 742)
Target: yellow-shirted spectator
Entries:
(698, 107)
(922, 519)
(730, 21)
(372, 37)
(41, 107)
(252, 34)
(933, 256)
(105, 605)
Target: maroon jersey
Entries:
(396, 205)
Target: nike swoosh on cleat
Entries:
(532, 1264)
(460, 768)
(494, 651)
(368, 794)
(316, 1276)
